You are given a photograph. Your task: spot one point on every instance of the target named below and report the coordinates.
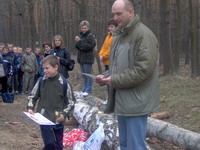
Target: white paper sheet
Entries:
(39, 119)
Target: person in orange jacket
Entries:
(104, 53)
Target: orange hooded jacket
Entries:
(105, 50)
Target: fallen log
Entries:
(90, 116)
(174, 134)
(89, 113)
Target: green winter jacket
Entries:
(134, 70)
(51, 98)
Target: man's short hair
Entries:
(112, 22)
(51, 60)
(128, 4)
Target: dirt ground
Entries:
(17, 132)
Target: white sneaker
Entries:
(105, 102)
(85, 94)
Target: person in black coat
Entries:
(63, 55)
(6, 60)
(85, 43)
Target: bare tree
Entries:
(165, 41)
(193, 51)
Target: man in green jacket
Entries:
(133, 76)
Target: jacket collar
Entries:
(84, 34)
(129, 27)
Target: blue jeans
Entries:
(132, 132)
(52, 136)
(87, 87)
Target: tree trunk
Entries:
(178, 36)
(165, 38)
(192, 40)
(198, 36)
(32, 23)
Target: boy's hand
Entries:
(60, 119)
(30, 112)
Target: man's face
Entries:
(121, 15)
(58, 42)
(49, 70)
(84, 28)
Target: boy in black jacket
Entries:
(53, 103)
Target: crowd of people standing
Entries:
(22, 68)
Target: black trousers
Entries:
(52, 136)
(3, 82)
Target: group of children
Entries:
(21, 69)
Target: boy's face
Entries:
(1, 47)
(37, 51)
(10, 47)
(49, 70)
(19, 51)
(28, 50)
(111, 27)
(15, 50)
(47, 48)
(5, 51)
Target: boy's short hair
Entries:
(2, 44)
(51, 60)
(112, 22)
(84, 23)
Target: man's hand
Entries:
(103, 81)
(107, 81)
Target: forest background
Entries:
(176, 23)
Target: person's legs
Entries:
(31, 81)
(122, 132)
(15, 82)
(48, 137)
(58, 131)
(25, 82)
(132, 132)
(136, 132)
(89, 81)
(4, 84)
(20, 81)
(106, 67)
(84, 77)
